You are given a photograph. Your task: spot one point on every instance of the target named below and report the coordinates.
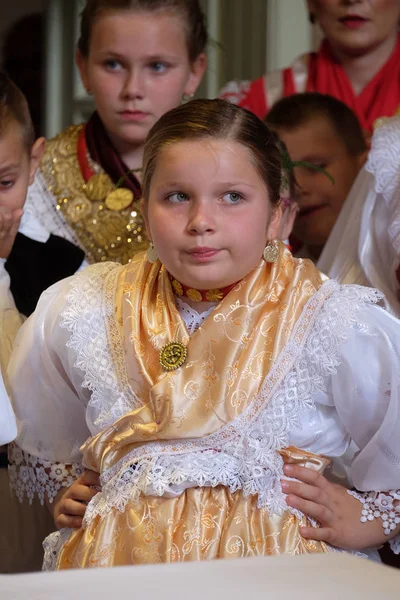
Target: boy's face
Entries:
(319, 200)
(17, 167)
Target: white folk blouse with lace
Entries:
(340, 399)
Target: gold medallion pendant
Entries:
(172, 356)
(98, 187)
(119, 199)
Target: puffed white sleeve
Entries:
(48, 399)
(366, 394)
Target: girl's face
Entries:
(208, 212)
(138, 68)
(356, 27)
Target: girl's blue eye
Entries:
(177, 197)
(232, 197)
(112, 64)
(158, 67)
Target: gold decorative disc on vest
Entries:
(172, 356)
(98, 187)
(119, 199)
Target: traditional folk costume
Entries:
(82, 208)
(364, 245)
(320, 72)
(189, 418)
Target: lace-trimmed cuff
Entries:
(30, 475)
(382, 505)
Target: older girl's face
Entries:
(138, 68)
(208, 212)
(356, 27)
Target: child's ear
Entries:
(275, 222)
(197, 69)
(37, 152)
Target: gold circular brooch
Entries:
(119, 199)
(172, 356)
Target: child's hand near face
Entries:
(9, 224)
(70, 504)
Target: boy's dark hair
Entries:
(294, 111)
(14, 107)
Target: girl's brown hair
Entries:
(188, 10)
(216, 119)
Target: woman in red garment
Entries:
(358, 62)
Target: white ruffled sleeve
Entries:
(366, 394)
(49, 401)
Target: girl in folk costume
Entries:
(210, 381)
(138, 58)
(358, 62)
(364, 246)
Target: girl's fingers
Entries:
(319, 534)
(82, 493)
(311, 509)
(306, 476)
(68, 521)
(305, 491)
(71, 507)
(90, 478)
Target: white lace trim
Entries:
(86, 316)
(244, 454)
(379, 505)
(41, 206)
(30, 475)
(384, 164)
(52, 546)
(193, 319)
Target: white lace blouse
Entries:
(340, 398)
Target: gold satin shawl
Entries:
(229, 356)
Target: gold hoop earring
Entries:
(271, 252)
(151, 254)
(187, 97)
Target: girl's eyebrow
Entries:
(9, 167)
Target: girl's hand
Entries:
(9, 224)
(70, 503)
(337, 512)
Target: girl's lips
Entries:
(203, 254)
(133, 115)
(353, 21)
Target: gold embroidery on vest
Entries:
(103, 234)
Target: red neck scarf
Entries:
(379, 98)
(103, 152)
